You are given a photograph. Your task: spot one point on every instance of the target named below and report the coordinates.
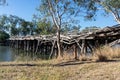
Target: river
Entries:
(6, 54)
(10, 54)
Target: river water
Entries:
(10, 54)
(6, 54)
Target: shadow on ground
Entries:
(27, 64)
(77, 62)
(67, 63)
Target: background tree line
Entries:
(15, 26)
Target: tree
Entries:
(24, 28)
(75, 29)
(31, 28)
(3, 28)
(2, 2)
(90, 29)
(3, 36)
(112, 7)
(13, 24)
(65, 30)
(61, 12)
(66, 12)
(44, 27)
(88, 8)
(3, 22)
(109, 6)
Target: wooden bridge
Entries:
(80, 44)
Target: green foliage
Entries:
(2, 2)
(16, 26)
(90, 29)
(111, 3)
(88, 8)
(3, 36)
(67, 12)
(14, 23)
(44, 27)
(31, 28)
(111, 7)
(65, 30)
(76, 28)
(60, 12)
(24, 29)
(3, 21)
(14, 31)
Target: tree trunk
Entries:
(58, 25)
(75, 52)
(58, 43)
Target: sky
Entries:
(21, 8)
(26, 8)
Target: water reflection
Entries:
(6, 53)
(11, 54)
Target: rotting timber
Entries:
(82, 43)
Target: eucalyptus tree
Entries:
(90, 29)
(14, 23)
(60, 12)
(3, 22)
(2, 2)
(3, 28)
(3, 36)
(24, 28)
(88, 8)
(44, 27)
(108, 6)
(66, 12)
(76, 28)
(111, 7)
(32, 28)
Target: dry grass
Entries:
(103, 53)
(66, 68)
(67, 56)
(83, 57)
(53, 70)
(106, 53)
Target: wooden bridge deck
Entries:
(82, 42)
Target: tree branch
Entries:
(52, 14)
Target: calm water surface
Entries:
(10, 54)
(6, 54)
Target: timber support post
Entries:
(75, 52)
(83, 51)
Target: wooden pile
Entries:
(82, 41)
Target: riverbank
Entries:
(60, 70)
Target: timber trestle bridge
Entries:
(81, 43)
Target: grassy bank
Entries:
(60, 70)
(103, 65)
